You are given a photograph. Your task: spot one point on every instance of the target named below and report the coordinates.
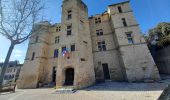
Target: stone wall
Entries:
(138, 62)
(32, 71)
(110, 56)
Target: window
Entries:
(33, 55)
(120, 9)
(63, 49)
(57, 39)
(97, 20)
(129, 37)
(69, 29)
(36, 39)
(99, 32)
(58, 28)
(102, 46)
(69, 16)
(83, 59)
(124, 22)
(73, 47)
(55, 53)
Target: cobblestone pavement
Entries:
(104, 91)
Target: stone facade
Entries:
(82, 50)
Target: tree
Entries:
(162, 32)
(17, 18)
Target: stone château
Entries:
(107, 46)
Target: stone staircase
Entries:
(65, 90)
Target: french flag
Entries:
(65, 53)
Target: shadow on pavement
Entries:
(165, 94)
(125, 86)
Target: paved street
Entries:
(105, 91)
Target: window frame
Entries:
(101, 45)
(99, 32)
(57, 39)
(120, 9)
(56, 53)
(129, 37)
(98, 20)
(124, 22)
(58, 28)
(71, 49)
(69, 30)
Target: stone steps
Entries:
(65, 90)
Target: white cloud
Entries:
(17, 55)
(17, 51)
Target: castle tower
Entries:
(36, 58)
(77, 68)
(138, 62)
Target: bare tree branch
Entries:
(17, 18)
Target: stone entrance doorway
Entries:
(69, 77)
(106, 71)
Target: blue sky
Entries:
(148, 13)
